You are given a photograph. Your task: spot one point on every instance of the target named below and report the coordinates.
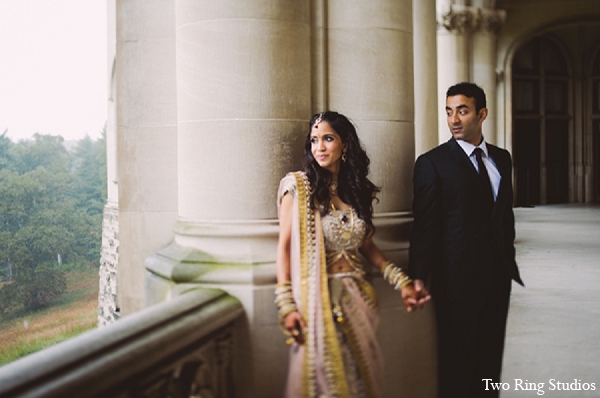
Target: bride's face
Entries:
(326, 146)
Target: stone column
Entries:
(484, 65)
(111, 122)
(146, 138)
(108, 307)
(243, 104)
(425, 67)
(319, 52)
(371, 81)
(370, 48)
(455, 21)
(467, 52)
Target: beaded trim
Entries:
(368, 294)
(308, 268)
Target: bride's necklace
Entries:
(345, 232)
(333, 185)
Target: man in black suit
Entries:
(463, 236)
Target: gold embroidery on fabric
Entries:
(344, 232)
(334, 365)
(367, 292)
(307, 371)
(356, 384)
(333, 360)
(359, 356)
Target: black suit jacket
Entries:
(453, 236)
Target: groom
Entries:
(463, 236)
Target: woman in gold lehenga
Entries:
(325, 305)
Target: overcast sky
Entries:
(53, 68)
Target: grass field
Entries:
(69, 315)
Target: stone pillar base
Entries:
(247, 272)
(261, 355)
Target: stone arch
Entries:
(542, 113)
(561, 32)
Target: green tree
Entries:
(46, 151)
(89, 174)
(51, 204)
(32, 216)
(6, 157)
(89, 192)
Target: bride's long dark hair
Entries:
(354, 188)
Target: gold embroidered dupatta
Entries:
(316, 368)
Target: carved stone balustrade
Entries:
(178, 348)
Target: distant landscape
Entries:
(24, 332)
(52, 196)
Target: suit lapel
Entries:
(461, 158)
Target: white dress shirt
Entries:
(489, 163)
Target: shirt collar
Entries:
(469, 148)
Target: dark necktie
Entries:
(485, 180)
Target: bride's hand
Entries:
(414, 295)
(409, 296)
(295, 325)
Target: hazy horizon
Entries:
(53, 68)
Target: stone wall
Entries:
(108, 309)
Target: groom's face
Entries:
(463, 120)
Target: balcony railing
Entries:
(178, 348)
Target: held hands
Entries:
(414, 295)
(295, 325)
